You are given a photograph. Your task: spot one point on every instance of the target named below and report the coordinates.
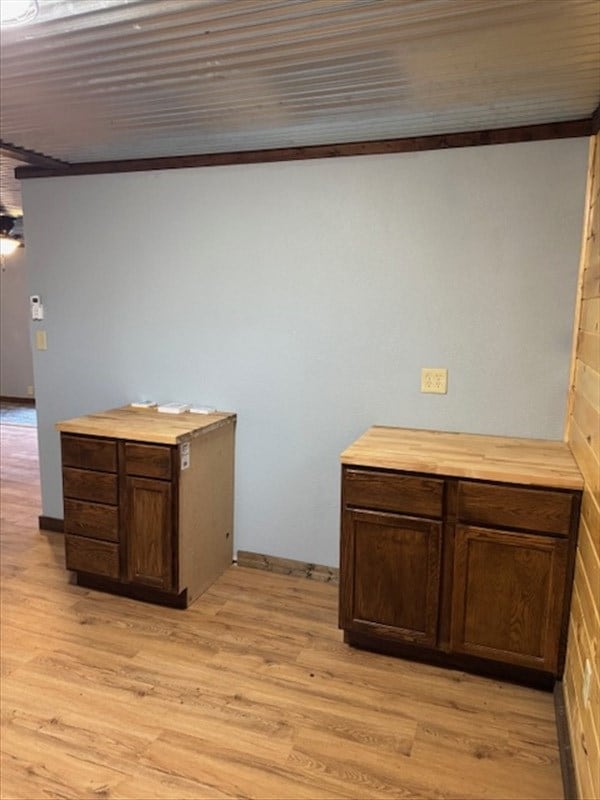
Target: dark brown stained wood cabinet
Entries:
(469, 565)
(396, 575)
(149, 533)
(508, 595)
(148, 501)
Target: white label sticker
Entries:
(185, 455)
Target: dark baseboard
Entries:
(51, 524)
(567, 767)
(288, 566)
(24, 401)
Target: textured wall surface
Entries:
(306, 296)
(16, 363)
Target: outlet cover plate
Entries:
(434, 380)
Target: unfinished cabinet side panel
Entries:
(206, 510)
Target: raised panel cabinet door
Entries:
(390, 576)
(508, 596)
(149, 532)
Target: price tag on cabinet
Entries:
(185, 455)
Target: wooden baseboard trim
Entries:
(51, 524)
(288, 566)
(24, 401)
(567, 767)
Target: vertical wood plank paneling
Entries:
(588, 349)
(588, 384)
(582, 644)
(586, 419)
(590, 315)
(582, 434)
(582, 274)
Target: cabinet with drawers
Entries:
(148, 501)
(459, 549)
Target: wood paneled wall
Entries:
(583, 433)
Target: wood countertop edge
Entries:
(492, 466)
(80, 427)
(554, 481)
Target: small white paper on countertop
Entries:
(202, 410)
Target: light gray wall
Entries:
(306, 297)
(16, 363)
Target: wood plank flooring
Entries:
(250, 693)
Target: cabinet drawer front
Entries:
(92, 555)
(88, 453)
(81, 484)
(148, 460)
(515, 507)
(386, 491)
(92, 519)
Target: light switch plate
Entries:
(41, 342)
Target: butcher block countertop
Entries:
(496, 458)
(145, 424)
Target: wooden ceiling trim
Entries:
(596, 121)
(523, 133)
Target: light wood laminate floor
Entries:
(249, 694)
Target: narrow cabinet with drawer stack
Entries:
(148, 501)
(91, 495)
(459, 549)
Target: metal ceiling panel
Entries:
(94, 80)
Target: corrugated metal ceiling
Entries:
(93, 80)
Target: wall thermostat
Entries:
(37, 309)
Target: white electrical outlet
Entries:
(30, 391)
(434, 381)
(587, 683)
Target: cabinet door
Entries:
(508, 596)
(149, 531)
(390, 576)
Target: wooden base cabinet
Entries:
(151, 519)
(471, 573)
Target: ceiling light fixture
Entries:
(18, 12)
(8, 244)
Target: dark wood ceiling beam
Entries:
(31, 157)
(596, 120)
(523, 133)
